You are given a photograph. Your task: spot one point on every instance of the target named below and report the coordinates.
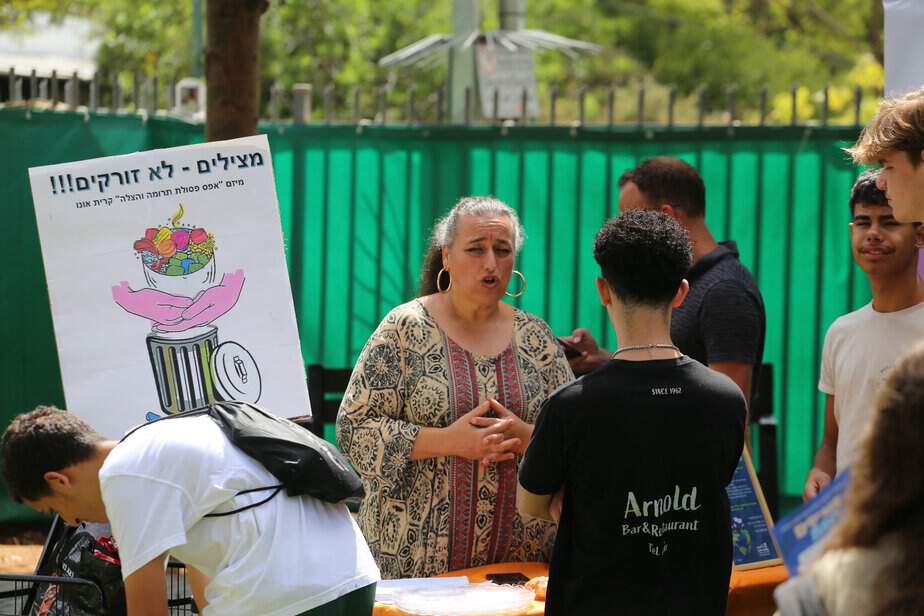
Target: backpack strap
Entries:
(276, 489)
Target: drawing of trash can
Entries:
(192, 370)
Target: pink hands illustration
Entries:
(174, 313)
(151, 304)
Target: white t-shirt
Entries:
(281, 558)
(860, 349)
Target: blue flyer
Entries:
(801, 534)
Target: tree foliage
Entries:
(689, 44)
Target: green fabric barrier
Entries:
(357, 204)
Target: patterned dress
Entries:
(425, 517)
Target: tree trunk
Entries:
(232, 67)
(874, 30)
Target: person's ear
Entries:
(603, 290)
(667, 208)
(57, 481)
(919, 235)
(681, 294)
(445, 251)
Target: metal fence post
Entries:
(732, 99)
(275, 94)
(301, 103)
(356, 101)
(524, 107)
(383, 105)
(763, 105)
(700, 105)
(794, 105)
(857, 105)
(440, 96)
(825, 102)
(116, 94)
(610, 106)
(671, 100)
(641, 104)
(94, 93)
(582, 99)
(553, 100)
(411, 112)
(136, 92)
(328, 96)
(73, 99)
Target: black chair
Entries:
(325, 391)
(761, 413)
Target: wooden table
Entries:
(750, 593)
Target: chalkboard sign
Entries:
(752, 542)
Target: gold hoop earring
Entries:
(440, 275)
(522, 286)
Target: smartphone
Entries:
(514, 579)
(571, 351)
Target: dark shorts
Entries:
(357, 603)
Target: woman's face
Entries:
(480, 260)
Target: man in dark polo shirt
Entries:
(640, 450)
(721, 323)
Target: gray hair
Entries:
(444, 231)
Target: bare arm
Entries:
(534, 505)
(825, 465)
(146, 589)
(741, 374)
(198, 581)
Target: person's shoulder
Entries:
(405, 314)
(567, 395)
(529, 321)
(713, 383)
(170, 439)
(849, 321)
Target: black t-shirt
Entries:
(722, 318)
(644, 451)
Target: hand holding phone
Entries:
(571, 351)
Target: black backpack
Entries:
(99, 589)
(303, 463)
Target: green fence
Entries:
(357, 204)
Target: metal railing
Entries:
(304, 103)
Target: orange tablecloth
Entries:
(750, 593)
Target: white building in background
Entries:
(65, 45)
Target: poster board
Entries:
(801, 535)
(903, 46)
(751, 524)
(168, 284)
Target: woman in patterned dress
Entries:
(441, 406)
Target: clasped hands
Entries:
(489, 439)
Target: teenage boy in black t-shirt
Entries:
(639, 450)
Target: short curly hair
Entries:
(865, 191)
(643, 255)
(46, 439)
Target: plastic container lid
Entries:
(474, 600)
